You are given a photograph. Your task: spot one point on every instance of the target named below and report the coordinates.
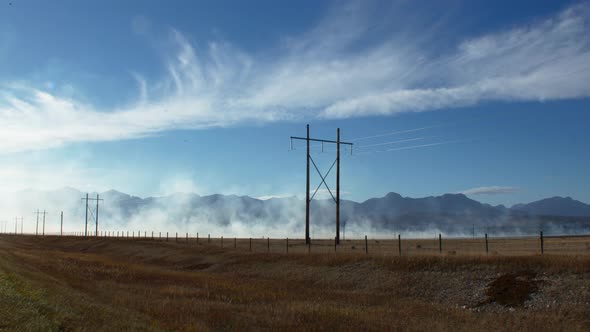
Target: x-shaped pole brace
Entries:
(323, 179)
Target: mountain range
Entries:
(450, 213)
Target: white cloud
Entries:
(328, 72)
(544, 61)
(492, 190)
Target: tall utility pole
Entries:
(37, 226)
(307, 191)
(323, 177)
(96, 231)
(86, 222)
(97, 199)
(338, 186)
(44, 222)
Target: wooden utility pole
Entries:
(337, 186)
(97, 199)
(309, 159)
(86, 219)
(37, 225)
(307, 190)
(44, 213)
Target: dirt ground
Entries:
(76, 284)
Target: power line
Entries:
(392, 133)
(394, 142)
(413, 147)
(425, 145)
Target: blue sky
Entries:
(485, 98)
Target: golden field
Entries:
(57, 283)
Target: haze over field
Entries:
(244, 216)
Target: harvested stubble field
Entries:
(71, 283)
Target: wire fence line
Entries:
(518, 245)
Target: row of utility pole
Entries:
(4, 224)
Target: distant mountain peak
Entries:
(555, 206)
(114, 192)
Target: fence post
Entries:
(250, 245)
(399, 244)
(176, 236)
(541, 237)
(439, 243)
(152, 235)
(267, 244)
(208, 238)
(127, 233)
(197, 237)
(366, 245)
(287, 246)
(235, 243)
(187, 237)
(222, 241)
(487, 248)
(166, 236)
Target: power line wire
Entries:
(392, 133)
(394, 142)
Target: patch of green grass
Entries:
(23, 308)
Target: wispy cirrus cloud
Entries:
(491, 190)
(331, 71)
(543, 61)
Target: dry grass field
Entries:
(76, 284)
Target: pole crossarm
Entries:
(321, 140)
(92, 199)
(323, 180)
